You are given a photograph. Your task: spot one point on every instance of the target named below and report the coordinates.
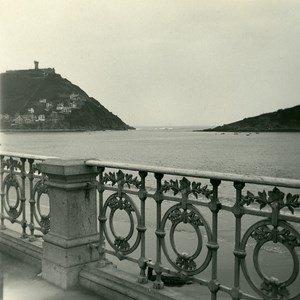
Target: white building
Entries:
(41, 118)
(66, 110)
(18, 120)
(29, 118)
(73, 105)
(59, 106)
(74, 96)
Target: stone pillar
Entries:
(73, 217)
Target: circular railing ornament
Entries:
(123, 203)
(185, 262)
(41, 188)
(263, 232)
(12, 210)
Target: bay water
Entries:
(265, 154)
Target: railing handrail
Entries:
(25, 155)
(261, 180)
(254, 179)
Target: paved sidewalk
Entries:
(22, 281)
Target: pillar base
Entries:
(62, 262)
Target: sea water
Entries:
(265, 154)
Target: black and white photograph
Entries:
(149, 149)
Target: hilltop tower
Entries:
(36, 65)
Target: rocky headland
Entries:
(42, 100)
(282, 120)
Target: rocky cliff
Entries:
(43, 100)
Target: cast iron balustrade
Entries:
(21, 174)
(179, 198)
(124, 183)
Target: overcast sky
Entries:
(163, 62)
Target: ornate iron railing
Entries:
(22, 189)
(180, 200)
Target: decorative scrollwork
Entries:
(284, 236)
(121, 179)
(178, 215)
(184, 261)
(12, 164)
(274, 197)
(262, 232)
(119, 203)
(13, 214)
(11, 181)
(272, 286)
(36, 167)
(175, 215)
(184, 186)
(120, 244)
(45, 224)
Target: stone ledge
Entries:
(112, 283)
(13, 245)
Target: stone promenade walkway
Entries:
(22, 281)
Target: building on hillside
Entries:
(75, 97)
(18, 120)
(59, 106)
(73, 105)
(66, 110)
(43, 101)
(54, 117)
(28, 118)
(48, 106)
(41, 118)
(31, 110)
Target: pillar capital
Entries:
(67, 169)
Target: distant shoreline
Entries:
(246, 131)
(60, 130)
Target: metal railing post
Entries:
(214, 206)
(158, 284)
(2, 226)
(238, 211)
(142, 228)
(23, 199)
(102, 220)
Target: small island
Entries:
(283, 120)
(41, 100)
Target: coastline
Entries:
(61, 130)
(246, 131)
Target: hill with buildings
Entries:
(40, 99)
(283, 120)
